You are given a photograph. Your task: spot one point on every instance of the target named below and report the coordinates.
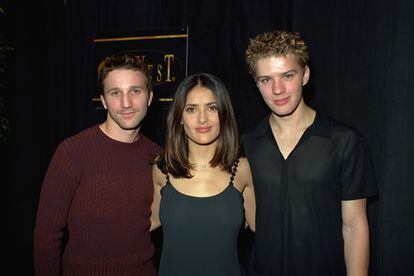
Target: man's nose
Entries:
(278, 86)
(126, 101)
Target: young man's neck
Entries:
(302, 117)
(118, 134)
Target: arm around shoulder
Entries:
(157, 178)
(245, 178)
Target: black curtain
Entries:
(361, 55)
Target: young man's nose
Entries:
(278, 87)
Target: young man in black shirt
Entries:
(312, 174)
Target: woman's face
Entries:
(200, 116)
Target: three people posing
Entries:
(311, 173)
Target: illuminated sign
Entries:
(166, 54)
(164, 51)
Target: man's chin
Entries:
(130, 126)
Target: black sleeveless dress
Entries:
(201, 233)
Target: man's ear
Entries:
(151, 95)
(306, 75)
(256, 81)
(103, 101)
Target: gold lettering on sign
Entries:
(150, 66)
(141, 59)
(170, 59)
(162, 72)
(159, 73)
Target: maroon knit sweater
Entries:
(101, 190)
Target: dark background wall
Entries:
(361, 53)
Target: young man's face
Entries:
(280, 80)
(126, 97)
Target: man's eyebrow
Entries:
(137, 86)
(130, 87)
(283, 73)
(113, 89)
(290, 71)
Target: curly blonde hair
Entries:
(276, 43)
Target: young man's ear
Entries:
(256, 81)
(306, 75)
(103, 101)
(151, 95)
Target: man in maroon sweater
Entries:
(99, 186)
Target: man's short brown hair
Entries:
(122, 62)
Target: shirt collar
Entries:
(320, 127)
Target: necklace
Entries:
(203, 166)
(200, 165)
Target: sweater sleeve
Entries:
(58, 189)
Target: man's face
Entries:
(126, 97)
(280, 80)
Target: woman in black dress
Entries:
(203, 191)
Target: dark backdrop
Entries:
(361, 69)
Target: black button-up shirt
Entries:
(298, 216)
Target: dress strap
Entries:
(234, 170)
